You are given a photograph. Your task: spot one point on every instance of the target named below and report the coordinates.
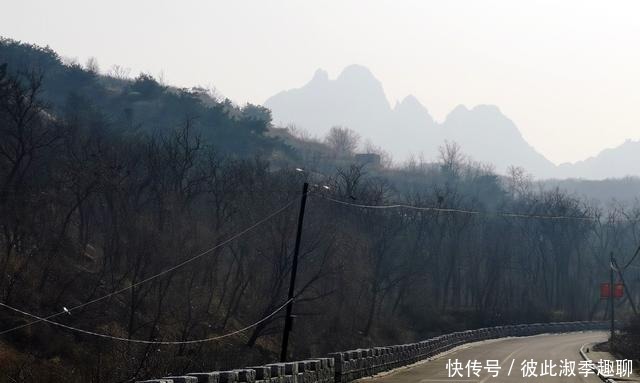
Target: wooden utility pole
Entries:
(612, 297)
(292, 283)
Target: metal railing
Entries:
(346, 366)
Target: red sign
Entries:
(605, 290)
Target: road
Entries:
(509, 353)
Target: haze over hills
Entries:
(356, 99)
(616, 162)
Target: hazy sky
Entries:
(567, 72)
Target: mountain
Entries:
(356, 99)
(621, 161)
(487, 135)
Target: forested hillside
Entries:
(142, 104)
(150, 213)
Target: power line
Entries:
(179, 265)
(460, 211)
(632, 258)
(398, 206)
(140, 341)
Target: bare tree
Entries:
(451, 158)
(518, 181)
(92, 65)
(342, 141)
(119, 72)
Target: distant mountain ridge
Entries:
(618, 162)
(356, 99)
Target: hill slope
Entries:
(141, 104)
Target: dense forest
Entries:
(148, 212)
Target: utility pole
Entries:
(629, 296)
(612, 297)
(294, 268)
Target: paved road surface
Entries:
(554, 347)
